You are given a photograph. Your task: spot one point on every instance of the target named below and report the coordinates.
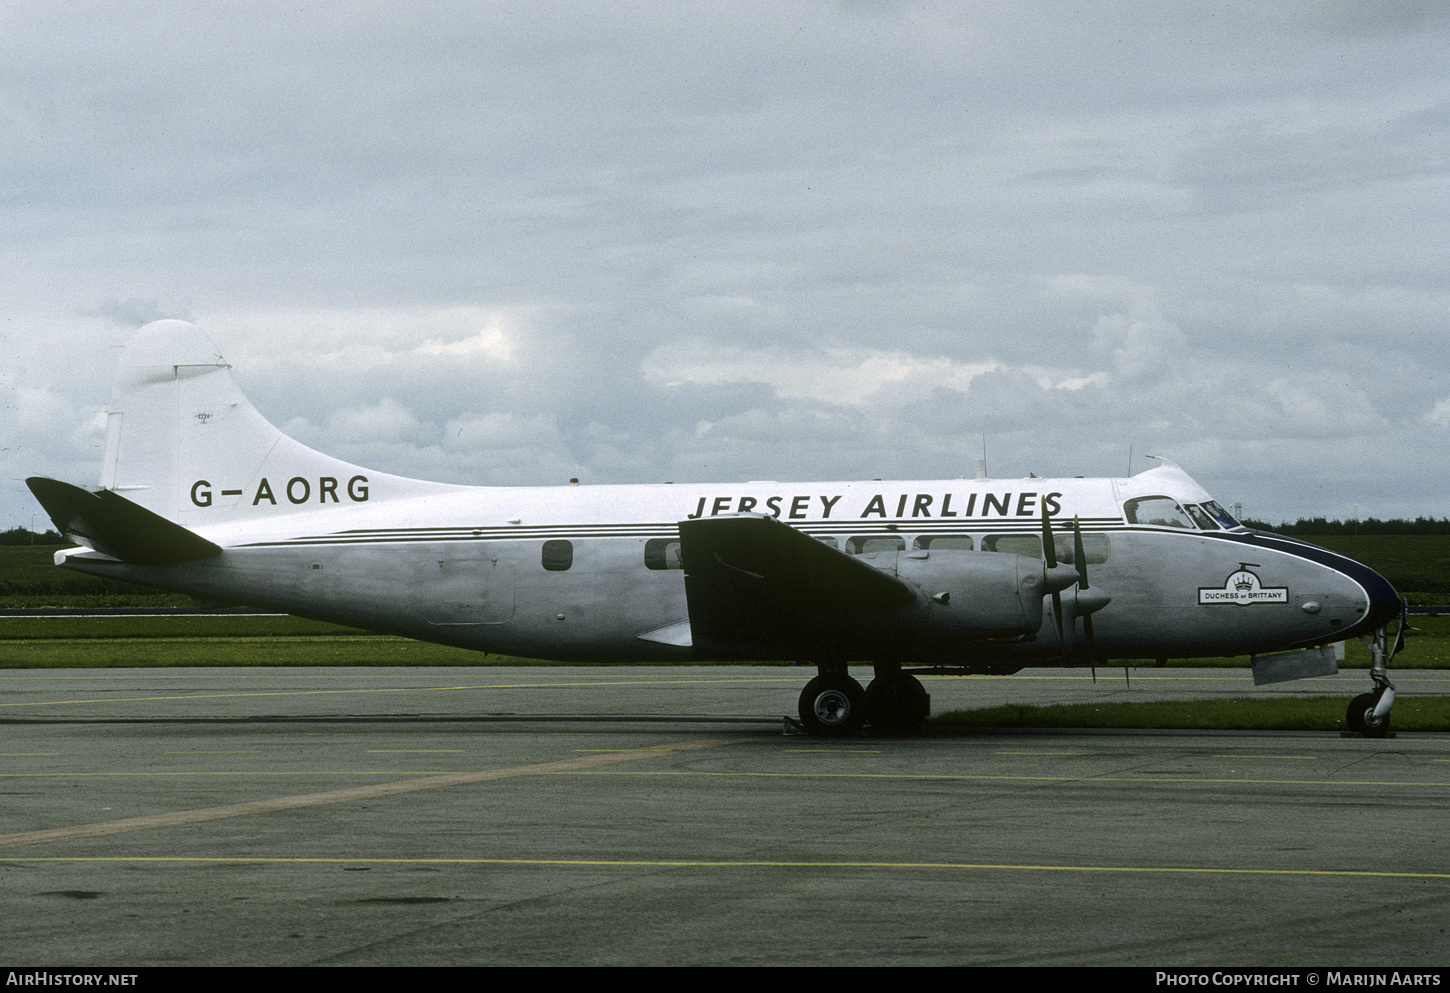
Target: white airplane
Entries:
(200, 494)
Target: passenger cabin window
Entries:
(1014, 544)
(558, 555)
(1095, 548)
(866, 544)
(828, 540)
(945, 542)
(663, 553)
(1160, 511)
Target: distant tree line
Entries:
(25, 536)
(1369, 525)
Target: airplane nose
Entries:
(1382, 602)
(1385, 604)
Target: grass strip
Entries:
(1412, 713)
(220, 652)
(207, 652)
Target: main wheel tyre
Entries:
(1360, 716)
(833, 706)
(897, 704)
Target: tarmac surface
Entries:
(659, 816)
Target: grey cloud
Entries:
(1208, 221)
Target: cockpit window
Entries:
(1160, 511)
(1201, 517)
(1215, 509)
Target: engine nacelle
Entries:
(979, 594)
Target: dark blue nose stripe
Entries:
(1384, 602)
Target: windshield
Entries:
(1201, 517)
(1220, 515)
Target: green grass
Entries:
(1418, 566)
(1411, 713)
(158, 626)
(311, 650)
(30, 578)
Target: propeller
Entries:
(1057, 578)
(1061, 577)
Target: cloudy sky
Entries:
(639, 241)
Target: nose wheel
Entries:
(1365, 716)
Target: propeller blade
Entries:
(1079, 559)
(1400, 632)
(1049, 555)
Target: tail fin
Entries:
(184, 443)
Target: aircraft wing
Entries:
(752, 582)
(109, 523)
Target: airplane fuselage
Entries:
(581, 573)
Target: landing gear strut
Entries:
(1369, 713)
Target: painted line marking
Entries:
(563, 769)
(741, 864)
(342, 796)
(1146, 780)
(397, 689)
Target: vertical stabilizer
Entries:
(184, 442)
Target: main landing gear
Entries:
(833, 705)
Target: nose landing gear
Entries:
(1369, 713)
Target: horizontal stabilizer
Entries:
(111, 524)
(751, 579)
